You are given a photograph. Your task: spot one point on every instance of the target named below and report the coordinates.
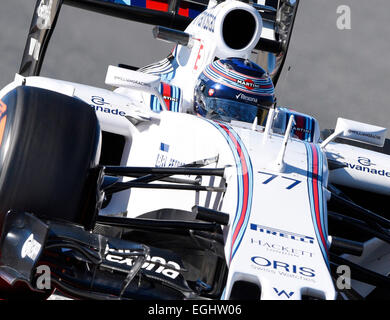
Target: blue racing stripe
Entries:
(244, 184)
(317, 197)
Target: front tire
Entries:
(49, 142)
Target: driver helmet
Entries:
(234, 89)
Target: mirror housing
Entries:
(357, 131)
(125, 78)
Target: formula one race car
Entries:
(187, 180)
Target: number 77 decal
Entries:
(273, 176)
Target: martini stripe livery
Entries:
(244, 185)
(315, 162)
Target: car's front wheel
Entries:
(48, 143)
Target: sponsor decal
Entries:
(207, 21)
(164, 147)
(365, 134)
(248, 84)
(99, 104)
(34, 49)
(170, 94)
(365, 161)
(44, 14)
(98, 101)
(365, 165)
(281, 249)
(163, 160)
(156, 265)
(303, 126)
(283, 293)
(170, 98)
(303, 130)
(31, 248)
(211, 92)
(282, 233)
(132, 81)
(283, 269)
(246, 98)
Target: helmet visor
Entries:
(228, 110)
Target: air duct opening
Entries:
(244, 290)
(239, 27)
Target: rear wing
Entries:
(278, 17)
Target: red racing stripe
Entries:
(315, 194)
(184, 10)
(157, 5)
(300, 124)
(222, 74)
(167, 93)
(245, 185)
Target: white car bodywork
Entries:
(277, 234)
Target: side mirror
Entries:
(357, 131)
(125, 78)
(172, 35)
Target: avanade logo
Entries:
(366, 165)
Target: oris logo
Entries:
(284, 268)
(248, 84)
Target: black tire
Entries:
(49, 141)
